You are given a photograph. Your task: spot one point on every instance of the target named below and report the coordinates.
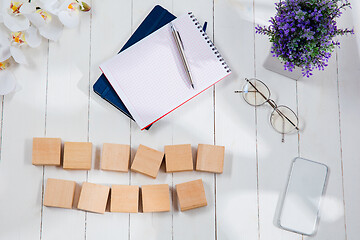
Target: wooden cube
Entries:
(210, 158)
(147, 161)
(59, 193)
(77, 155)
(191, 195)
(124, 198)
(155, 198)
(178, 158)
(115, 157)
(93, 197)
(46, 151)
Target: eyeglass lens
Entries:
(255, 92)
(280, 123)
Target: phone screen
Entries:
(301, 203)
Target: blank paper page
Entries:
(149, 76)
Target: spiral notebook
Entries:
(149, 76)
(157, 18)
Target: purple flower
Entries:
(302, 32)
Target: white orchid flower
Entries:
(48, 26)
(10, 51)
(13, 14)
(11, 46)
(7, 79)
(66, 10)
(28, 23)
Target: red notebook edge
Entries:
(186, 101)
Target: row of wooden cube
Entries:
(47, 151)
(123, 198)
(116, 157)
(178, 158)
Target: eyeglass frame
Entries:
(271, 103)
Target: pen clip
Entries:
(180, 39)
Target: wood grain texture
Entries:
(274, 156)
(147, 161)
(115, 157)
(193, 123)
(191, 195)
(235, 124)
(155, 198)
(178, 158)
(210, 158)
(153, 226)
(93, 197)
(23, 119)
(67, 116)
(59, 193)
(349, 100)
(124, 198)
(46, 151)
(324, 148)
(106, 123)
(77, 155)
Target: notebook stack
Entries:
(147, 80)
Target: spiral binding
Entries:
(208, 41)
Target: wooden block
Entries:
(155, 198)
(210, 158)
(147, 161)
(93, 197)
(77, 155)
(46, 151)
(124, 198)
(178, 158)
(59, 193)
(191, 195)
(115, 157)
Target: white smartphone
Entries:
(301, 203)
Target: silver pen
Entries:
(180, 48)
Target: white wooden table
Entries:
(56, 100)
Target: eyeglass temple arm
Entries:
(237, 91)
(271, 104)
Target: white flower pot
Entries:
(275, 65)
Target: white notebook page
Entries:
(149, 76)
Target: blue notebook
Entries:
(157, 18)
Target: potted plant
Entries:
(302, 33)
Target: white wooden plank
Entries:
(320, 141)
(193, 123)
(274, 156)
(1, 121)
(20, 181)
(107, 124)
(236, 195)
(150, 225)
(349, 70)
(67, 118)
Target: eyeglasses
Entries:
(282, 118)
